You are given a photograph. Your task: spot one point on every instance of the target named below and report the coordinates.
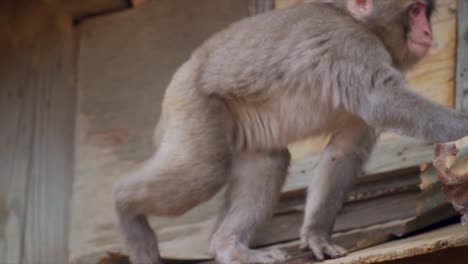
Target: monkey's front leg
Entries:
(338, 167)
(255, 185)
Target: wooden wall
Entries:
(37, 99)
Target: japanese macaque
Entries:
(232, 108)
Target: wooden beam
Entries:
(462, 56)
(85, 8)
(261, 6)
(37, 99)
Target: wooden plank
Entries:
(462, 57)
(285, 226)
(448, 237)
(388, 156)
(85, 8)
(37, 115)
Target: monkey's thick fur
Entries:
(232, 108)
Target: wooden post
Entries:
(260, 6)
(462, 56)
(37, 103)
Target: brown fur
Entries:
(266, 81)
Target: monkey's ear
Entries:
(360, 9)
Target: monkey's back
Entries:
(289, 48)
(278, 73)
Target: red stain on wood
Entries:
(112, 138)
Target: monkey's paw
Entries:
(321, 246)
(235, 252)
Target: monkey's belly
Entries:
(265, 126)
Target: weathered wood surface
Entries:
(452, 236)
(37, 99)
(443, 238)
(462, 56)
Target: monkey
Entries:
(232, 108)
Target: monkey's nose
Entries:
(428, 33)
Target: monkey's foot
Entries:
(321, 247)
(233, 251)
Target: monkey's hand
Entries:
(451, 162)
(321, 246)
(445, 156)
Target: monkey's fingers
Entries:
(445, 150)
(464, 219)
(444, 158)
(322, 248)
(237, 253)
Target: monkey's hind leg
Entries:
(189, 167)
(256, 181)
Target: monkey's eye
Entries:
(417, 9)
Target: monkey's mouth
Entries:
(419, 48)
(423, 44)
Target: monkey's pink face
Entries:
(420, 36)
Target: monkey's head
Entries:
(403, 25)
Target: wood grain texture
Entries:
(37, 115)
(462, 56)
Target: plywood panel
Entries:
(37, 115)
